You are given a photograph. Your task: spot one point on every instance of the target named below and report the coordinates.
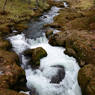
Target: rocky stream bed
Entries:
(77, 36)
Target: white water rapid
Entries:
(40, 78)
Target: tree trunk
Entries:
(37, 3)
(4, 6)
(29, 2)
(43, 1)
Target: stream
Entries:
(40, 78)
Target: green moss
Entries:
(36, 55)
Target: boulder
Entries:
(54, 25)
(20, 28)
(59, 39)
(86, 79)
(11, 74)
(45, 25)
(49, 32)
(36, 54)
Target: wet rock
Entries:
(11, 74)
(86, 79)
(60, 74)
(20, 28)
(45, 25)
(36, 54)
(33, 91)
(9, 92)
(49, 32)
(54, 25)
(45, 17)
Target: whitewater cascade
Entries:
(40, 78)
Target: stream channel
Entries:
(40, 78)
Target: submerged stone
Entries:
(60, 74)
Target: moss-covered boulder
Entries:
(12, 76)
(36, 54)
(49, 32)
(20, 27)
(86, 79)
(9, 92)
(58, 39)
(5, 45)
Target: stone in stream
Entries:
(35, 54)
(19, 28)
(55, 73)
(49, 32)
(33, 91)
(60, 74)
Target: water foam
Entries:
(38, 79)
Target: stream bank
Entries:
(78, 37)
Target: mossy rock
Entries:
(49, 32)
(59, 39)
(20, 27)
(36, 55)
(86, 79)
(9, 92)
(13, 76)
(55, 25)
(61, 21)
(79, 23)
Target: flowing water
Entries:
(40, 78)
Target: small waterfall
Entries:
(65, 4)
(40, 79)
